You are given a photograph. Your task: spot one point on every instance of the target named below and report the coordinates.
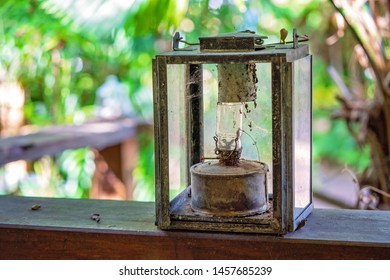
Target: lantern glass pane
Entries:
(302, 135)
(177, 122)
(256, 135)
(257, 122)
(210, 100)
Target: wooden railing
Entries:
(63, 229)
(114, 142)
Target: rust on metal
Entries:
(240, 41)
(229, 190)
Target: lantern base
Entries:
(182, 216)
(229, 191)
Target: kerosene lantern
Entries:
(233, 134)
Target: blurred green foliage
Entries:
(61, 52)
(334, 143)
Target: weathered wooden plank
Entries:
(62, 229)
(56, 139)
(347, 226)
(68, 244)
(75, 213)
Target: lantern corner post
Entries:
(160, 103)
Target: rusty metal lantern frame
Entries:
(174, 214)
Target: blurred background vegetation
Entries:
(59, 53)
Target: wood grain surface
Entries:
(63, 229)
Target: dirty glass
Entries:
(301, 134)
(177, 116)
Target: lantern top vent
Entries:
(232, 42)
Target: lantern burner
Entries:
(230, 158)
